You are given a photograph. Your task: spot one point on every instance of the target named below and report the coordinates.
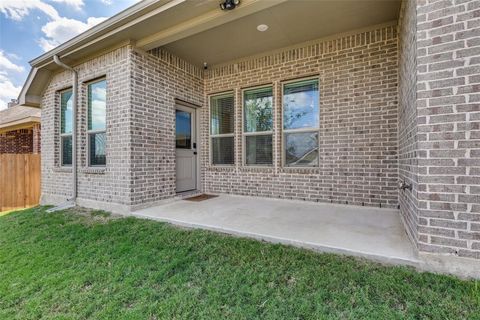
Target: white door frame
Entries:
(181, 105)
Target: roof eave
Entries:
(112, 25)
(31, 94)
(19, 124)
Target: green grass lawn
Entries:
(80, 264)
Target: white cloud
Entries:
(46, 44)
(18, 9)
(13, 56)
(99, 94)
(301, 100)
(7, 90)
(110, 2)
(76, 4)
(98, 114)
(63, 29)
(6, 64)
(59, 29)
(93, 21)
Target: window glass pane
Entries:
(183, 129)
(97, 97)
(300, 105)
(222, 114)
(97, 149)
(223, 150)
(67, 151)
(258, 149)
(258, 114)
(66, 107)
(301, 149)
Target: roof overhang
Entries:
(147, 24)
(289, 24)
(19, 124)
(179, 25)
(109, 27)
(32, 90)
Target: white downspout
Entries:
(73, 200)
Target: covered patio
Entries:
(373, 233)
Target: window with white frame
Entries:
(66, 125)
(301, 123)
(222, 124)
(96, 130)
(258, 125)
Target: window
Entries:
(222, 116)
(97, 123)
(258, 124)
(301, 122)
(183, 129)
(66, 124)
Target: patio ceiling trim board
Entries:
(99, 53)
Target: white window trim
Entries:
(224, 135)
(64, 135)
(256, 133)
(91, 132)
(299, 130)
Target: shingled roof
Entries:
(18, 117)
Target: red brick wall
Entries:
(17, 141)
(36, 138)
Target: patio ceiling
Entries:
(198, 31)
(289, 23)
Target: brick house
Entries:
(342, 105)
(20, 130)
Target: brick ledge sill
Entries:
(93, 170)
(81, 170)
(62, 169)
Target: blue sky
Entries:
(29, 28)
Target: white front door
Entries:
(185, 148)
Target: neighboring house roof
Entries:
(18, 117)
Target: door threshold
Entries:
(186, 194)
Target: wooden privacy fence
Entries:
(19, 181)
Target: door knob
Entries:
(194, 152)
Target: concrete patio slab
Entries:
(373, 233)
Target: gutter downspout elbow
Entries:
(57, 60)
